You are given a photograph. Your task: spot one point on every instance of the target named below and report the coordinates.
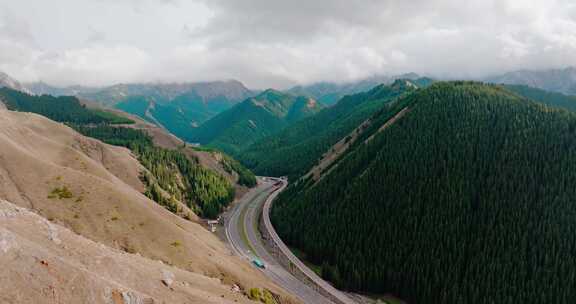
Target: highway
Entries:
(242, 233)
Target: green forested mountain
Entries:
(297, 148)
(171, 171)
(178, 107)
(546, 97)
(467, 198)
(253, 119)
(180, 115)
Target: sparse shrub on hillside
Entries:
(254, 294)
(60, 193)
(264, 296)
(183, 179)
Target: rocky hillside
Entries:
(44, 262)
(94, 191)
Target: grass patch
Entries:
(60, 193)
(176, 244)
(264, 296)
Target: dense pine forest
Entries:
(297, 148)
(468, 198)
(63, 109)
(550, 98)
(172, 175)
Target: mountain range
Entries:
(555, 80)
(8, 82)
(329, 93)
(252, 119)
(300, 146)
(177, 107)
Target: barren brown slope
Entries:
(93, 189)
(44, 262)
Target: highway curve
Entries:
(242, 233)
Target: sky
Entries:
(278, 43)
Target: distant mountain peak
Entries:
(330, 92)
(561, 80)
(404, 83)
(9, 82)
(272, 92)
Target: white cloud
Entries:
(94, 66)
(279, 43)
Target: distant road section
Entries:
(325, 288)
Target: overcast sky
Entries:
(269, 43)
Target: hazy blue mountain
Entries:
(553, 99)
(329, 93)
(8, 82)
(42, 88)
(178, 107)
(556, 80)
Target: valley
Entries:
(287, 152)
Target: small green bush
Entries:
(254, 294)
(60, 193)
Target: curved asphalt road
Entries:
(245, 239)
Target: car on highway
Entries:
(258, 263)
